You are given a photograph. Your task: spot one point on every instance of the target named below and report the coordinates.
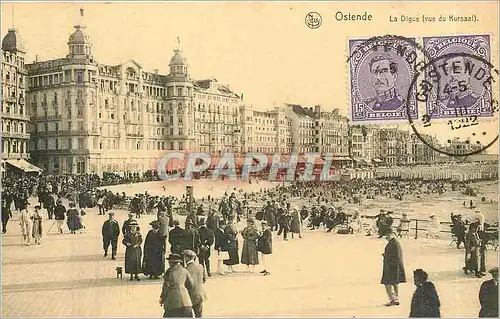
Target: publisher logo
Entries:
(313, 20)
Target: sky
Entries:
(263, 50)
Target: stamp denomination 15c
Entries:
(380, 74)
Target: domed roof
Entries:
(78, 37)
(13, 42)
(177, 59)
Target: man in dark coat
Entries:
(177, 286)
(197, 294)
(6, 214)
(393, 268)
(176, 239)
(153, 262)
(425, 302)
(206, 241)
(488, 296)
(110, 233)
(193, 219)
(265, 245)
(284, 219)
(191, 238)
(50, 203)
(212, 220)
(60, 215)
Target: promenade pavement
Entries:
(322, 274)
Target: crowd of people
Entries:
(210, 230)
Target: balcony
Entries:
(135, 135)
(67, 102)
(63, 133)
(79, 102)
(10, 99)
(16, 116)
(24, 136)
(7, 156)
(50, 117)
(44, 104)
(54, 103)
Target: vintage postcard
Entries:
(333, 159)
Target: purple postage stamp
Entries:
(461, 90)
(381, 72)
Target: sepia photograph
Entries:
(239, 159)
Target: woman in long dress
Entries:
(232, 243)
(296, 223)
(73, 218)
(249, 253)
(37, 225)
(154, 252)
(133, 253)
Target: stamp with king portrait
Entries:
(461, 90)
(380, 75)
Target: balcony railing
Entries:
(10, 99)
(67, 102)
(135, 135)
(50, 117)
(79, 102)
(16, 135)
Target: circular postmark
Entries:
(450, 107)
(313, 20)
(456, 94)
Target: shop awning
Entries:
(377, 160)
(24, 166)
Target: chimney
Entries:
(156, 71)
(36, 58)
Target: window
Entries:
(46, 126)
(70, 143)
(56, 163)
(57, 127)
(81, 143)
(57, 143)
(79, 77)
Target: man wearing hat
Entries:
(176, 238)
(163, 223)
(479, 217)
(488, 296)
(206, 241)
(197, 294)
(191, 238)
(177, 285)
(393, 268)
(458, 229)
(110, 233)
(381, 224)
